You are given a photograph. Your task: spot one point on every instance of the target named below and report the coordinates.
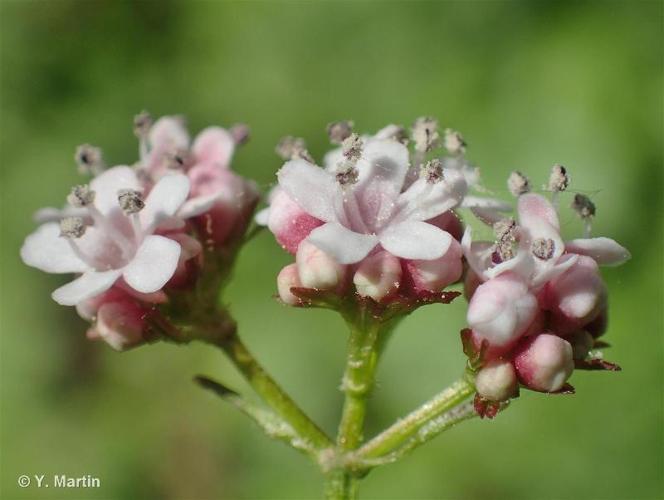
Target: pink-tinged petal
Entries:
(415, 240)
(164, 200)
(197, 206)
(544, 362)
(553, 271)
(107, 184)
(424, 200)
(168, 133)
(434, 275)
(605, 251)
(289, 223)
(382, 169)
(46, 250)
(153, 265)
(311, 187)
(121, 324)
(344, 245)
(534, 209)
(88, 285)
(378, 276)
(215, 146)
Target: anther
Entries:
(142, 124)
(351, 147)
(339, 131)
(292, 148)
(518, 183)
(240, 133)
(72, 227)
(425, 134)
(432, 172)
(130, 201)
(559, 179)
(347, 173)
(583, 206)
(505, 231)
(89, 159)
(454, 142)
(81, 196)
(543, 248)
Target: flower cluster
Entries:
(537, 303)
(140, 237)
(378, 219)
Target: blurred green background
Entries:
(528, 83)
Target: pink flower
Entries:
(544, 362)
(119, 244)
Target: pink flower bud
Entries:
(434, 275)
(317, 269)
(496, 381)
(576, 297)
(501, 310)
(287, 279)
(289, 223)
(544, 362)
(378, 276)
(120, 324)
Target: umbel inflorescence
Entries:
(375, 231)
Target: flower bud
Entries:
(435, 275)
(289, 223)
(501, 310)
(378, 276)
(317, 269)
(496, 381)
(120, 324)
(544, 362)
(287, 279)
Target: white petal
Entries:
(605, 251)
(197, 206)
(478, 254)
(46, 250)
(344, 245)
(311, 187)
(168, 132)
(153, 265)
(553, 271)
(471, 201)
(424, 201)
(166, 197)
(522, 264)
(214, 145)
(107, 184)
(90, 284)
(534, 209)
(262, 216)
(50, 214)
(415, 240)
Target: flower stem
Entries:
(340, 485)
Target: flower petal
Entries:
(478, 254)
(107, 184)
(415, 240)
(47, 251)
(424, 200)
(311, 187)
(197, 206)
(164, 200)
(168, 133)
(605, 251)
(153, 265)
(534, 209)
(214, 145)
(344, 245)
(88, 285)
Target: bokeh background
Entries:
(528, 83)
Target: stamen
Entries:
(586, 210)
(130, 201)
(505, 231)
(518, 183)
(339, 131)
(81, 196)
(425, 134)
(72, 227)
(543, 248)
(347, 173)
(352, 147)
(89, 159)
(454, 142)
(293, 148)
(559, 179)
(240, 133)
(432, 172)
(142, 124)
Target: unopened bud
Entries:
(518, 183)
(72, 227)
(81, 196)
(425, 134)
(543, 248)
(583, 206)
(317, 269)
(142, 124)
(288, 278)
(378, 276)
(496, 381)
(454, 142)
(544, 362)
(130, 201)
(88, 158)
(352, 147)
(559, 179)
(339, 131)
(432, 172)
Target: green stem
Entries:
(340, 485)
(396, 435)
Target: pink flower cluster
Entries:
(537, 303)
(138, 235)
(376, 220)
